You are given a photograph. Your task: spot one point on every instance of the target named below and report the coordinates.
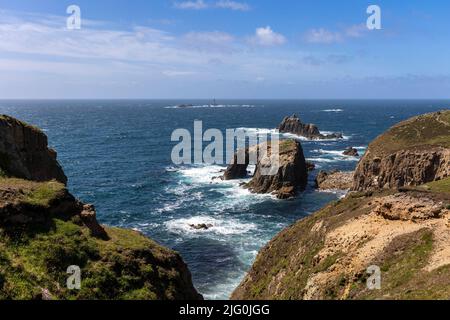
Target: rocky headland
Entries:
(291, 176)
(44, 230)
(411, 153)
(397, 218)
(294, 125)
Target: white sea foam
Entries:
(333, 110)
(227, 226)
(290, 135)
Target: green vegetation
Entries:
(439, 186)
(129, 266)
(36, 252)
(33, 193)
(287, 145)
(4, 117)
(426, 130)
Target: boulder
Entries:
(351, 152)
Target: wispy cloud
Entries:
(322, 36)
(222, 4)
(325, 36)
(267, 37)
(233, 5)
(191, 5)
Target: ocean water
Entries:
(117, 156)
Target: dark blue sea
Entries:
(117, 155)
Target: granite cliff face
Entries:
(290, 177)
(294, 125)
(404, 231)
(44, 230)
(411, 153)
(24, 152)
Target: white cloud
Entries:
(177, 73)
(356, 31)
(212, 37)
(267, 37)
(322, 36)
(233, 5)
(193, 5)
(222, 4)
(326, 36)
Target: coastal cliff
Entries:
(413, 152)
(24, 152)
(403, 231)
(44, 230)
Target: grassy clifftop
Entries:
(42, 233)
(431, 129)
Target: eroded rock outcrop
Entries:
(411, 153)
(294, 125)
(334, 180)
(351, 152)
(283, 179)
(24, 152)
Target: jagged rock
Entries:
(351, 152)
(294, 125)
(411, 153)
(290, 177)
(24, 152)
(310, 166)
(89, 217)
(334, 180)
(237, 169)
(201, 226)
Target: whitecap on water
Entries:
(333, 110)
(227, 226)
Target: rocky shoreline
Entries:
(396, 217)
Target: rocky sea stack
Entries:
(294, 125)
(44, 230)
(405, 232)
(291, 176)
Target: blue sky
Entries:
(224, 49)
